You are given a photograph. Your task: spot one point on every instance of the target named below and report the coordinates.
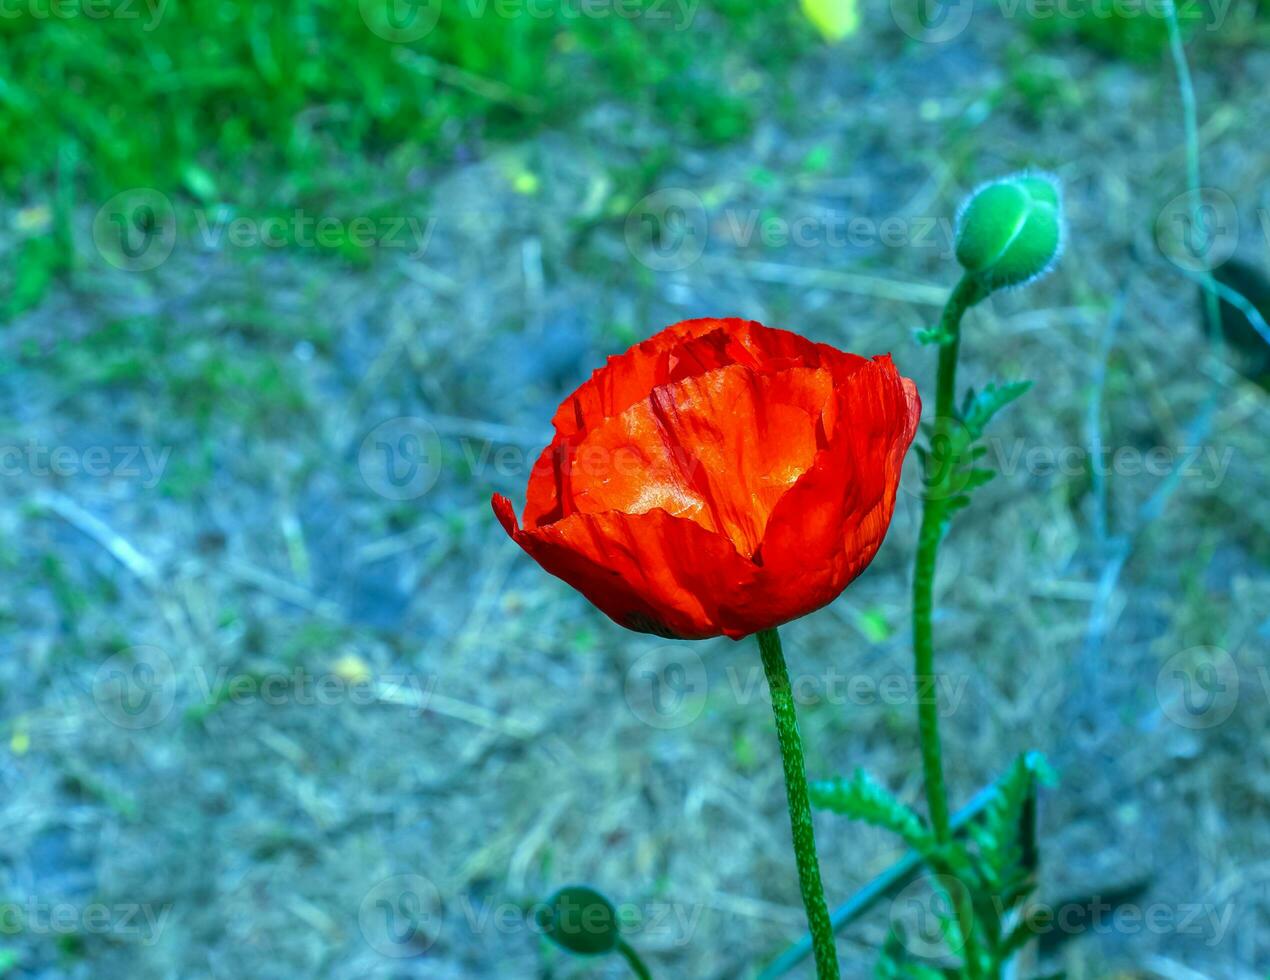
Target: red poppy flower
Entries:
(720, 477)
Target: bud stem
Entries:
(967, 292)
(822, 940)
(633, 960)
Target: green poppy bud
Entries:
(1011, 230)
(581, 920)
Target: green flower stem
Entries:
(813, 891)
(939, 472)
(637, 965)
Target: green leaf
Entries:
(1018, 937)
(1002, 837)
(933, 335)
(863, 798)
(978, 409)
(894, 962)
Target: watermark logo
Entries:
(667, 687)
(667, 230)
(401, 21)
(99, 10)
(136, 229)
(960, 455)
(932, 21)
(135, 688)
(924, 912)
(402, 916)
(134, 921)
(401, 459)
(1198, 230)
(1198, 688)
(840, 689)
(145, 464)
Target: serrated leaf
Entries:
(933, 335)
(1006, 851)
(979, 409)
(863, 798)
(893, 962)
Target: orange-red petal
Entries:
(721, 477)
(648, 572)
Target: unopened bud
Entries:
(1011, 230)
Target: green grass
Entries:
(206, 93)
(1135, 31)
(270, 106)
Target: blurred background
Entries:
(289, 288)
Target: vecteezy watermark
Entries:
(1198, 687)
(401, 916)
(1198, 230)
(400, 459)
(142, 463)
(932, 21)
(936, 21)
(405, 915)
(667, 687)
(137, 230)
(1205, 465)
(135, 688)
(669, 924)
(828, 228)
(307, 689)
(1203, 921)
(301, 229)
(404, 21)
(138, 687)
(1210, 13)
(923, 910)
(139, 921)
(835, 687)
(669, 230)
(151, 11)
(401, 21)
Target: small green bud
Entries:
(1011, 230)
(581, 920)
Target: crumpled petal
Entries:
(651, 572)
(721, 477)
(826, 530)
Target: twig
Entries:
(116, 544)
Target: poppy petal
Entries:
(685, 349)
(719, 448)
(828, 527)
(651, 572)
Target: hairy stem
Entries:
(813, 891)
(940, 467)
